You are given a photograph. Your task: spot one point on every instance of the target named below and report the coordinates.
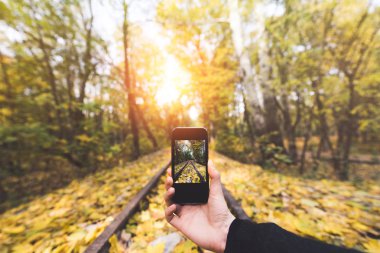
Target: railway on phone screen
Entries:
(190, 166)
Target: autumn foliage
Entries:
(91, 90)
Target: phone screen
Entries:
(190, 161)
(189, 165)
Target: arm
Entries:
(246, 236)
(213, 227)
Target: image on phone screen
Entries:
(190, 161)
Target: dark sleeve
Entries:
(246, 236)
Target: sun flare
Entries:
(175, 79)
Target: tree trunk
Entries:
(130, 89)
(3, 194)
(293, 137)
(324, 131)
(323, 126)
(292, 149)
(140, 113)
(88, 66)
(147, 129)
(307, 135)
(6, 77)
(261, 111)
(325, 141)
(272, 127)
(349, 131)
(247, 119)
(303, 153)
(289, 128)
(251, 89)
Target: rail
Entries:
(101, 243)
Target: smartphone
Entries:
(189, 165)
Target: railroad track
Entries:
(179, 173)
(101, 243)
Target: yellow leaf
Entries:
(62, 248)
(13, 230)
(5, 112)
(186, 247)
(38, 236)
(359, 226)
(158, 248)
(42, 223)
(59, 212)
(93, 233)
(97, 216)
(247, 208)
(372, 245)
(115, 246)
(159, 224)
(83, 138)
(145, 216)
(23, 248)
(77, 236)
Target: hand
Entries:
(206, 225)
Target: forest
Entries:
(190, 161)
(190, 150)
(90, 90)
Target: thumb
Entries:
(215, 185)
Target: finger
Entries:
(169, 212)
(169, 171)
(168, 183)
(215, 185)
(171, 217)
(168, 196)
(178, 210)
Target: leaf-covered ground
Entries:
(150, 224)
(331, 211)
(69, 219)
(334, 212)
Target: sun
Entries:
(174, 81)
(167, 94)
(193, 113)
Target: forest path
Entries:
(190, 166)
(203, 180)
(178, 174)
(72, 217)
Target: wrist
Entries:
(224, 232)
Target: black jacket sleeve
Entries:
(246, 236)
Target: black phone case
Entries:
(190, 193)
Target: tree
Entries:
(352, 52)
(132, 114)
